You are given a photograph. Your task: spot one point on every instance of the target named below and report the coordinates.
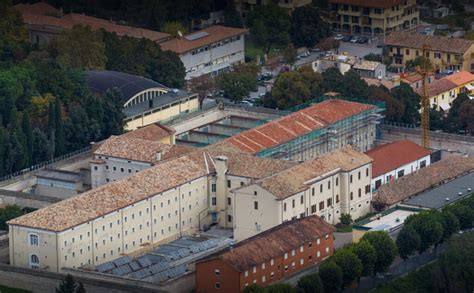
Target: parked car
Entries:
(338, 37)
(347, 38)
(247, 103)
(363, 40)
(354, 40)
(316, 49)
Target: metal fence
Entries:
(45, 164)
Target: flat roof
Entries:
(389, 221)
(436, 197)
(59, 175)
(158, 102)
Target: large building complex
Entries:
(312, 131)
(373, 17)
(395, 160)
(444, 53)
(45, 23)
(333, 184)
(209, 51)
(144, 101)
(267, 257)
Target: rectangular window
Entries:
(337, 181)
(217, 272)
(329, 184)
(350, 179)
(423, 164)
(213, 201)
(401, 173)
(321, 205)
(329, 202)
(301, 200)
(213, 187)
(367, 189)
(255, 205)
(284, 207)
(229, 183)
(313, 209)
(229, 201)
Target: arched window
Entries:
(33, 239)
(34, 261)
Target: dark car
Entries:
(347, 39)
(363, 40)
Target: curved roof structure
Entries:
(130, 85)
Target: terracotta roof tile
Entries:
(40, 8)
(437, 87)
(292, 180)
(273, 243)
(153, 132)
(435, 43)
(460, 78)
(215, 34)
(296, 124)
(423, 179)
(393, 155)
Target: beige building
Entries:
(335, 183)
(121, 156)
(373, 17)
(444, 53)
(245, 6)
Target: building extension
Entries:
(45, 23)
(267, 257)
(444, 53)
(209, 51)
(395, 160)
(373, 17)
(144, 101)
(333, 184)
(307, 133)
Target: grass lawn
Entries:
(4, 289)
(252, 50)
(344, 228)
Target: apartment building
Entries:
(373, 17)
(267, 257)
(333, 184)
(463, 81)
(209, 51)
(129, 153)
(444, 53)
(245, 6)
(441, 93)
(395, 160)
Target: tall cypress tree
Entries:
(8, 105)
(28, 134)
(60, 141)
(2, 152)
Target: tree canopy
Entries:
(331, 276)
(350, 265)
(307, 26)
(385, 248)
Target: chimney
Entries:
(221, 165)
(158, 156)
(150, 103)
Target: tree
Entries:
(346, 219)
(353, 86)
(174, 28)
(112, 122)
(307, 26)
(2, 152)
(350, 265)
(254, 288)
(7, 213)
(289, 54)
(408, 241)
(80, 47)
(28, 133)
(436, 118)
(367, 255)
(69, 285)
(428, 226)
(419, 62)
(60, 140)
(202, 85)
(393, 108)
(466, 116)
(374, 57)
(332, 80)
(310, 284)
(331, 276)
(238, 83)
(231, 15)
(385, 248)
(279, 288)
(450, 224)
(13, 35)
(411, 100)
(464, 214)
(452, 122)
(269, 25)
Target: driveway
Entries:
(359, 50)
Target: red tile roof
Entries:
(370, 3)
(393, 155)
(295, 125)
(215, 34)
(437, 87)
(153, 132)
(273, 243)
(460, 78)
(40, 14)
(435, 43)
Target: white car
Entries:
(354, 39)
(338, 37)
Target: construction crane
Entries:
(424, 70)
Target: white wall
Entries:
(113, 169)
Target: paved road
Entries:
(359, 50)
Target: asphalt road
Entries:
(359, 50)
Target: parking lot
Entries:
(359, 50)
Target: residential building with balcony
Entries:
(373, 17)
(444, 53)
(268, 257)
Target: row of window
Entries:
(215, 45)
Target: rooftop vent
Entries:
(469, 189)
(459, 193)
(175, 91)
(447, 199)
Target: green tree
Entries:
(393, 108)
(307, 26)
(28, 133)
(374, 57)
(69, 285)
(385, 248)
(436, 118)
(270, 26)
(450, 224)
(280, 288)
(350, 265)
(466, 116)
(331, 276)
(332, 80)
(346, 219)
(428, 226)
(238, 83)
(7, 213)
(411, 100)
(59, 138)
(2, 152)
(452, 122)
(80, 47)
(419, 62)
(13, 35)
(112, 122)
(42, 147)
(408, 241)
(354, 86)
(254, 288)
(367, 255)
(202, 85)
(231, 15)
(174, 28)
(289, 54)
(464, 214)
(310, 284)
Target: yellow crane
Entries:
(424, 69)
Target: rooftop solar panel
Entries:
(144, 261)
(196, 36)
(135, 266)
(105, 267)
(121, 261)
